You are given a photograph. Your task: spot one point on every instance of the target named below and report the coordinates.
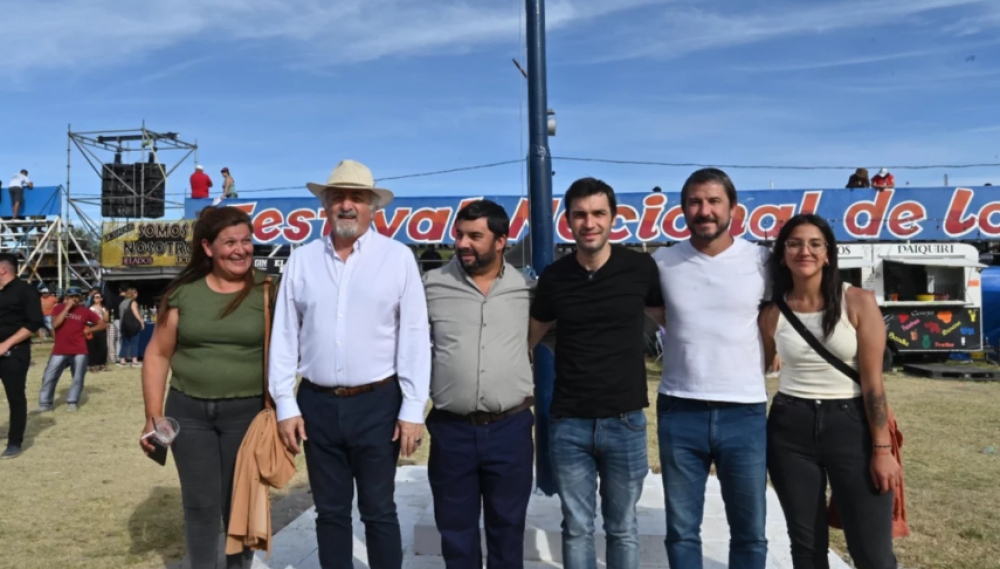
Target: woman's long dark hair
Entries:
(211, 221)
(831, 288)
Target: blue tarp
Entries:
(990, 281)
(39, 201)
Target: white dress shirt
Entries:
(348, 324)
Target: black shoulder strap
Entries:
(815, 344)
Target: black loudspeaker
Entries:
(118, 198)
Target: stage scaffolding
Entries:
(58, 251)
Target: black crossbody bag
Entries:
(815, 344)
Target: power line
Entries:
(449, 171)
(767, 167)
(639, 163)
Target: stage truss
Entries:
(60, 250)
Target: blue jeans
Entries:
(130, 346)
(614, 449)
(58, 364)
(693, 434)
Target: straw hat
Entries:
(351, 175)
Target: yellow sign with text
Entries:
(146, 243)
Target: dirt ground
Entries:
(84, 496)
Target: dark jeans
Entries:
(475, 468)
(97, 349)
(14, 373)
(811, 441)
(350, 441)
(205, 452)
(57, 365)
(613, 449)
(130, 346)
(694, 434)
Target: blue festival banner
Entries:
(902, 214)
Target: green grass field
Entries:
(84, 496)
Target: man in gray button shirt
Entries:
(481, 385)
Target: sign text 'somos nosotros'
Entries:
(147, 244)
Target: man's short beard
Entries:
(722, 230)
(481, 262)
(346, 228)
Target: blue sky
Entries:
(281, 90)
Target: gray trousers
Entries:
(205, 450)
(57, 364)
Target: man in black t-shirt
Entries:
(20, 319)
(598, 428)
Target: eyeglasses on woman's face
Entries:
(815, 246)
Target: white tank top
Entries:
(804, 373)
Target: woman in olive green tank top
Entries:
(210, 335)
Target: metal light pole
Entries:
(542, 234)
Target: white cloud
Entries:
(87, 34)
(685, 29)
(81, 35)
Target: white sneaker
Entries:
(136, 364)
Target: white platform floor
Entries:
(294, 547)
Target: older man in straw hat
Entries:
(351, 319)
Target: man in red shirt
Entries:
(72, 322)
(883, 180)
(200, 182)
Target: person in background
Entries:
(883, 180)
(430, 259)
(481, 425)
(97, 343)
(113, 301)
(210, 339)
(132, 325)
(597, 298)
(72, 322)
(859, 179)
(228, 185)
(20, 318)
(823, 426)
(48, 303)
(200, 183)
(16, 189)
(712, 397)
(351, 320)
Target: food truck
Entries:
(929, 293)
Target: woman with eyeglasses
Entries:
(824, 427)
(97, 342)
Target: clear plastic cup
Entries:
(165, 430)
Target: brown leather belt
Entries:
(481, 418)
(350, 391)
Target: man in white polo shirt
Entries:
(712, 400)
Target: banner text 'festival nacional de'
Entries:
(902, 214)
